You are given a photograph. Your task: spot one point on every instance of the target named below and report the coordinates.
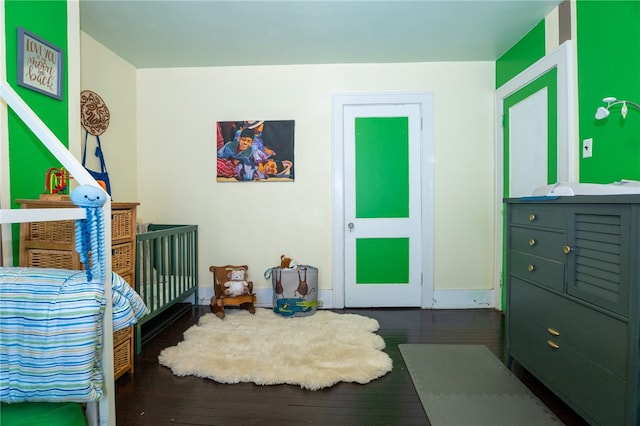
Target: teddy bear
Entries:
(237, 284)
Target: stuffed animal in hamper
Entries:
(237, 284)
(287, 262)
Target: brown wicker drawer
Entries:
(59, 232)
(122, 334)
(122, 226)
(122, 358)
(128, 277)
(122, 257)
(61, 259)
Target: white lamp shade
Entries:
(601, 113)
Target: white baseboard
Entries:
(442, 299)
(264, 297)
(464, 299)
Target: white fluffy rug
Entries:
(314, 352)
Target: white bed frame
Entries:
(102, 412)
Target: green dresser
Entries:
(572, 300)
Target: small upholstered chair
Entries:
(220, 300)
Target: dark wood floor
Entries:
(154, 396)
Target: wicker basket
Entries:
(63, 231)
(121, 224)
(52, 259)
(127, 277)
(122, 257)
(122, 334)
(122, 361)
(58, 231)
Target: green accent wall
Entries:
(608, 64)
(608, 35)
(523, 54)
(29, 160)
(382, 167)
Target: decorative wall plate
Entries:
(94, 113)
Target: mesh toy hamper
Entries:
(295, 291)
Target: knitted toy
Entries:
(90, 231)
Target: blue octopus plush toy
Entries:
(90, 231)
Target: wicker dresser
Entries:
(52, 245)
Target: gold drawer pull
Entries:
(553, 344)
(531, 268)
(532, 217)
(553, 331)
(532, 242)
(566, 249)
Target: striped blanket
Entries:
(51, 323)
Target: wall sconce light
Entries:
(603, 112)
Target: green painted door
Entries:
(382, 205)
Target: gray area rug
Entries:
(468, 385)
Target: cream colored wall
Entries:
(254, 223)
(114, 80)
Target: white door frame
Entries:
(561, 59)
(425, 100)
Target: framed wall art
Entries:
(255, 150)
(39, 64)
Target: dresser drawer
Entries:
(579, 353)
(548, 273)
(597, 336)
(538, 242)
(539, 215)
(590, 387)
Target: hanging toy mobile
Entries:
(90, 231)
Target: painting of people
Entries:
(255, 150)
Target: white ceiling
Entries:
(186, 33)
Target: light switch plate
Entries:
(587, 148)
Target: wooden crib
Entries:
(166, 275)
